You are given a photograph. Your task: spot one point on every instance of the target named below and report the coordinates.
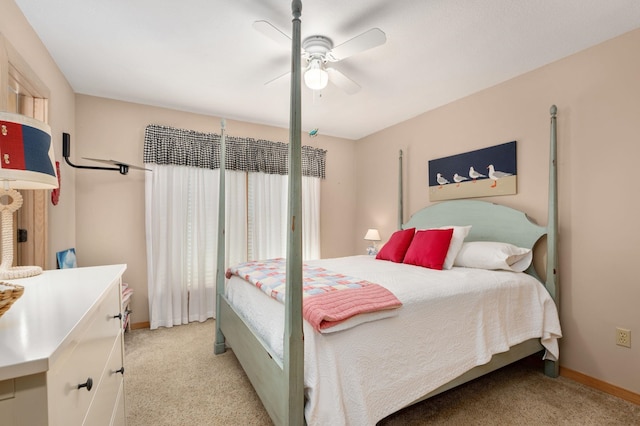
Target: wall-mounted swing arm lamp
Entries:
(123, 168)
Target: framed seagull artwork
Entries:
(481, 173)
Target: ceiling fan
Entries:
(318, 50)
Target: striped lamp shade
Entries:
(26, 153)
(26, 162)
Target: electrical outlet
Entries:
(623, 337)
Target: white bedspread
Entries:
(450, 322)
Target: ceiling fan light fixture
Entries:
(316, 77)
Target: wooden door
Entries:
(22, 92)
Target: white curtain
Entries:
(181, 227)
(267, 206)
(268, 215)
(310, 218)
(236, 217)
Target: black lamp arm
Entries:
(66, 152)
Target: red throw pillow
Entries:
(429, 248)
(395, 249)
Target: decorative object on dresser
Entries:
(27, 162)
(62, 350)
(9, 293)
(67, 259)
(374, 236)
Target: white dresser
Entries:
(62, 350)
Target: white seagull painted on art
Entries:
(475, 175)
(457, 179)
(495, 175)
(441, 180)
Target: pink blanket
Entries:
(329, 298)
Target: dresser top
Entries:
(41, 321)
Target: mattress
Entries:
(450, 322)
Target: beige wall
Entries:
(21, 36)
(598, 97)
(110, 207)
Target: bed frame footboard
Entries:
(264, 371)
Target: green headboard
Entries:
(489, 222)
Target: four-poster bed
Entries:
(303, 375)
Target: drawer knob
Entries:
(88, 384)
(121, 371)
(119, 316)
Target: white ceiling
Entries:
(204, 56)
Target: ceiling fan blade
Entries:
(365, 41)
(342, 81)
(272, 32)
(278, 77)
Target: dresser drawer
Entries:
(119, 413)
(82, 360)
(102, 409)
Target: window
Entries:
(181, 209)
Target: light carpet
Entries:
(173, 378)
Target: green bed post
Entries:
(293, 339)
(551, 368)
(218, 346)
(400, 193)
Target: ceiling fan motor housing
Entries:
(317, 47)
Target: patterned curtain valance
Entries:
(168, 145)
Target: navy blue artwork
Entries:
(483, 172)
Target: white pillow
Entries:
(459, 234)
(494, 255)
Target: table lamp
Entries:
(372, 235)
(26, 162)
